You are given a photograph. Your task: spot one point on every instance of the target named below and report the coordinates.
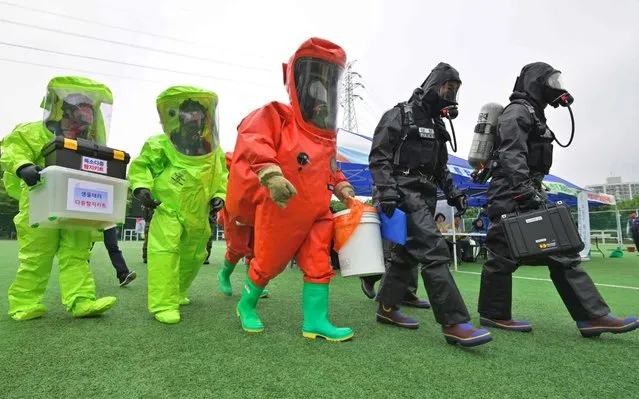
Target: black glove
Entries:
(216, 205)
(388, 206)
(459, 200)
(30, 174)
(529, 198)
(460, 203)
(146, 198)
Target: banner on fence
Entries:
(605, 199)
(583, 221)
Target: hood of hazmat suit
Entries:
(534, 85)
(189, 117)
(440, 90)
(183, 168)
(76, 107)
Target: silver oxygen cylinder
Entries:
(481, 148)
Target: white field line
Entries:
(625, 287)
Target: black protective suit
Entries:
(408, 161)
(524, 148)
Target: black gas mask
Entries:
(76, 120)
(554, 92)
(446, 103)
(447, 99)
(444, 99)
(450, 112)
(188, 138)
(192, 117)
(556, 95)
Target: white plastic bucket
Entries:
(362, 255)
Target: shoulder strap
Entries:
(526, 104)
(540, 127)
(408, 120)
(406, 110)
(497, 143)
(531, 111)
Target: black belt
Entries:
(537, 183)
(415, 172)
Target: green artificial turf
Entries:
(127, 354)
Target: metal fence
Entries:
(603, 226)
(127, 231)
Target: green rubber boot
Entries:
(88, 308)
(224, 277)
(315, 308)
(264, 290)
(246, 308)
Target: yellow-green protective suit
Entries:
(185, 185)
(37, 246)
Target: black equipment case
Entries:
(87, 156)
(541, 233)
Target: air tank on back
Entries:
(481, 148)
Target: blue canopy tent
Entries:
(353, 150)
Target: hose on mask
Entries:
(572, 133)
(446, 113)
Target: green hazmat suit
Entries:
(184, 184)
(37, 246)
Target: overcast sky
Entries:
(236, 49)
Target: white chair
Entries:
(129, 234)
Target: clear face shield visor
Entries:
(317, 85)
(192, 125)
(449, 91)
(73, 115)
(556, 82)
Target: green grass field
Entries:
(127, 354)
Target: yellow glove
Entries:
(281, 190)
(343, 191)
